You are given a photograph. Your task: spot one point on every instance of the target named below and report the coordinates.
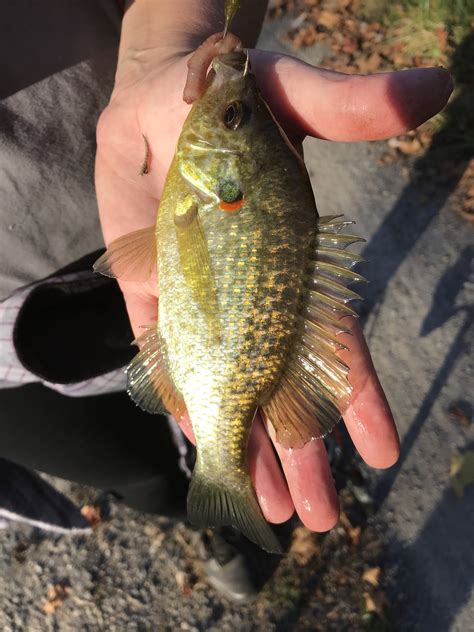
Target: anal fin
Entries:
(148, 381)
(314, 389)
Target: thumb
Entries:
(335, 106)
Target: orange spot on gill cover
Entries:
(231, 206)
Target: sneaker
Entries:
(27, 498)
(226, 565)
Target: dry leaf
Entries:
(371, 64)
(462, 471)
(407, 145)
(468, 207)
(353, 533)
(375, 602)
(180, 577)
(157, 542)
(458, 413)
(328, 19)
(372, 575)
(92, 514)
(56, 596)
(442, 37)
(349, 46)
(183, 583)
(303, 546)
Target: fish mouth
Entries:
(230, 63)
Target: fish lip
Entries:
(231, 63)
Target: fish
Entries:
(253, 285)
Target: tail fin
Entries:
(212, 504)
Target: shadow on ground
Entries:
(426, 566)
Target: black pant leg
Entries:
(104, 441)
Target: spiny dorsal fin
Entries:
(148, 381)
(314, 390)
(131, 257)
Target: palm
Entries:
(306, 101)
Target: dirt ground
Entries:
(137, 572)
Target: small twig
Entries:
(144, 170)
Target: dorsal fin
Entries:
(131, 257)
(148, 381)
(314, 390)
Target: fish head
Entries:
(222, 135)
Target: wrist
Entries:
(156, 32)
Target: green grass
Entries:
(421, 26)
(418, 22)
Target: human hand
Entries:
(307, 101)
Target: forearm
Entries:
(165, 28)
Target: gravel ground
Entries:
(137, 572)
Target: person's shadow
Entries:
(436, 569)
(434, 574)
(437, 175)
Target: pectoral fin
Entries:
(131, 257)
(196, 262)
(314, 390)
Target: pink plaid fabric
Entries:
(12, 372)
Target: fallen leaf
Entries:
(459, 414)
(375, 602)
(157, 543)
(349, 46)
(56, 595)
(462, 471)
(183, 582)
(92, 514)
(303, 546)
(372, 575)
(407, 145)
(328, 19)
(353, 533)
(369, 64)
(468, 208)
(442, 37)
(305, 36)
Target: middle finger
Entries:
(310, 483)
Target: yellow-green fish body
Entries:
(227, 362)
(252, 286)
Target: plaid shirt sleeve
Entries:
(13, 373)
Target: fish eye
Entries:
(235, 114)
